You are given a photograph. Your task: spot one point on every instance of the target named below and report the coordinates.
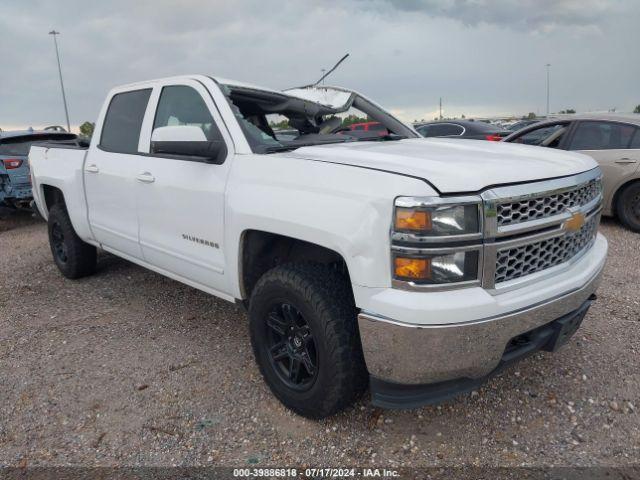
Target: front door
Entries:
(110, 171)
(181, 200)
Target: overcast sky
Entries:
(483, 57)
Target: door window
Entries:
(451, 130)
(122, 123)
(601, 136)
(539, 135)
(635, 143)
(441, 130)
(445, 130)
(183, 105)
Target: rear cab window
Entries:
(123, 121)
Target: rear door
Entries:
(614, 145)
(181, 200)
(110, 174)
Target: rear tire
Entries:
(73, 257)
(305, 338)
(628, 207)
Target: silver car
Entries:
(613, 140)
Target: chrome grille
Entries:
(524, 260)
(509, 213)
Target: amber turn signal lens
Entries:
(413, 268)
(410, 219)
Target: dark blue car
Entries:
(15, 181)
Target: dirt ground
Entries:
(129, 368)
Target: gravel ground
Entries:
(130, 368)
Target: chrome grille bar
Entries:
(519, 250)
(523, 260)
(546, 206)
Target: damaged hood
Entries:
(454, 165)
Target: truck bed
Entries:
(76, 144)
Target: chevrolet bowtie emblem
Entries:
(575, 223)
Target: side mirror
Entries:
(187, 141)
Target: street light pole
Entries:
(64, 98)
(548, 65)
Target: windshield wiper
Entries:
(293, 146)
(392, 137)
(280, 148)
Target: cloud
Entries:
(531, 15)
(482, 57)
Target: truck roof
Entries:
(220, 80)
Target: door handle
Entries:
(625, 160)
(93, 168)
(146, 177)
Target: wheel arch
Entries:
(52, 195)
(616, 195)
(261, 251)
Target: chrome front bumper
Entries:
(425, 354)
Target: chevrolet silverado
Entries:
(414, 267)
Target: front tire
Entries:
(305, 338)
(73, 257)
(628, 207)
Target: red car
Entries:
(370, 127)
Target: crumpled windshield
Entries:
(273, 121)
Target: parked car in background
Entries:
(613, 141)
(15, 182)
(369, 127)
(462, 128)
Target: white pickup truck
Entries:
(417, 267)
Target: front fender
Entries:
(340, 207)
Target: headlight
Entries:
(436, 241)
(441, 218)
(433, 268)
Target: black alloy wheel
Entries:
(305, 338)
(292, 349)
(73, 257)
(58, 244)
